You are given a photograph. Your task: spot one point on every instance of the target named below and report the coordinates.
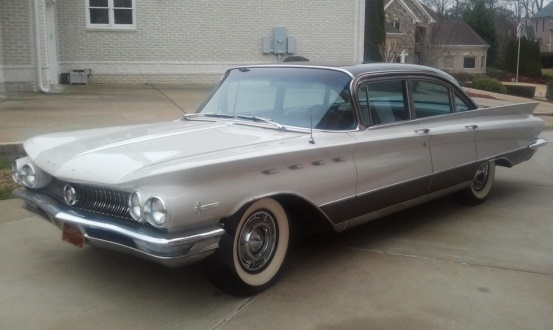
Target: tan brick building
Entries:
(542, 23)
(169, 41)
(428, 38)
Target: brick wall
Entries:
(16, 45)
(195, 41)
(458, 54)
(542, 28)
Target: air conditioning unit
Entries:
(79, 76)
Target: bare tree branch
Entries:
(391, 51)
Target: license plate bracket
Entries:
(72, 235)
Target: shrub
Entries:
(463, 78)
(519, 90)
(488, 84)
(547, 76)
(497, 74)
(295, 58)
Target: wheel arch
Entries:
(304, 216)
(503, 162)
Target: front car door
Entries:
(392, 156)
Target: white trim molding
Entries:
(111, 25)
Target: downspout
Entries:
(38, 51)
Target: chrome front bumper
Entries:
(537, 144)
(144, 242)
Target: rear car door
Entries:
(452, 142)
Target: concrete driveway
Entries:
(437, 266)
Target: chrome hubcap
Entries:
(257, 241)
(481, 177)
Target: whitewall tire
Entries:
(253, 250)
(481, 185)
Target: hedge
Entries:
(518, 90)
(488, 84)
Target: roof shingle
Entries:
(455, 31)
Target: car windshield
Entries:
(287, 96)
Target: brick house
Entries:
(170, 41)
(542, 23)
(421, 36)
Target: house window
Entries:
(448, 62)
(396, 24)
(420, 34)
(114, 14)
(483, 62)
(469, 62)
(543, 26)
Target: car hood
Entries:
(110, 155)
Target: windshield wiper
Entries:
(188, 116)
(263, 120)
(212, 115)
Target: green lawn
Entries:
(6, 182)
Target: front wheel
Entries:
(253, 249)
(480, 187)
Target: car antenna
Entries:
(311, 140)
(157, 89)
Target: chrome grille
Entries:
(94, 199)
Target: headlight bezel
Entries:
(27, 174)
(15, 172)
(135, 204)
(155, 211)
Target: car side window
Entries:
(461, 105)
(384, 101)
(430, 98)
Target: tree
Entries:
(391, 51)
(440, 6)
(530, 7)
(375, 33)
(530, 61)
(435, 41)
(481, 19)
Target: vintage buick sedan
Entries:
(272, 148)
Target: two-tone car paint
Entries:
(206, 169)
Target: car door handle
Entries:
(472, 126)
(422, 130)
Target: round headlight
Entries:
(135, 207)
(27, 174)
(155, 211)
(15, 172)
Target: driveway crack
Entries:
(233, 313)
(475, 264)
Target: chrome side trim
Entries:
(537, 144)
(398, 207)
(99, 230)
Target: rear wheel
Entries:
(480, 187)
(253, 249)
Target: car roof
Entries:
(368, 68)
